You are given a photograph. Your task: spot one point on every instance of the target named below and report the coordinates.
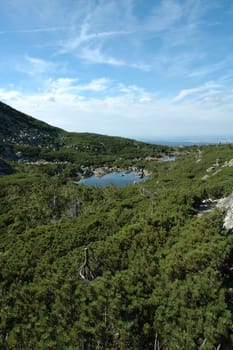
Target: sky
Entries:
(144, 69)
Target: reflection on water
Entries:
(168, 159)
(120, 179)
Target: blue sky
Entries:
(136, 68)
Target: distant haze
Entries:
(187, 141)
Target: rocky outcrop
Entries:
(227, 204)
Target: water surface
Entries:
(119, 179)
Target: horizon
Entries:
(128, 68)
(168, 140)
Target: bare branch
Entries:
(203, 344)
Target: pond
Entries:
(119, 179)
(168, 159)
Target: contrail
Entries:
(35, 30)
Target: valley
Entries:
(158, 275)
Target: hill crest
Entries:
(19, 128)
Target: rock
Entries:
(227, 204)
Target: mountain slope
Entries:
(26, 139)
(17, 127)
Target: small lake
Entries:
(119, 179)
(168, 159)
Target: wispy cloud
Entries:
(86, 37)
(72, 86)
(218, 66)
(96, 56)
(39, 66)
(92, 31)
(35, 30)
(155, 63)
(171, 24)
(195, 91)
(96, 85)
(95, 40)
(135, 93)
(114, 105)
(36, 67)
(89, 47)
(164, 16)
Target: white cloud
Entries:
(172, 23)
(135, 93)
(103, 28)
(39, 66)
(92, 30)
(172, 40)
(218, 66)
(95, 85)
(212, 99)
(71, 85)
(194, 91)
(9, 95)
(61, 85)
(97, 57)
(36, 67)
(130, 111)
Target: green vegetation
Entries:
(24, 139)
(162, 271)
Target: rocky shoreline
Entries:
(141, 171)
(101, 171)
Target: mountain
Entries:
(19, 128)
(26, 139)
